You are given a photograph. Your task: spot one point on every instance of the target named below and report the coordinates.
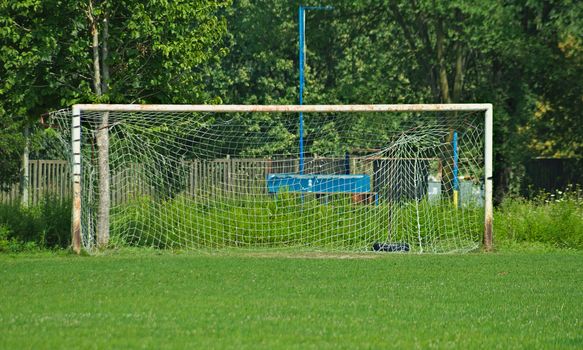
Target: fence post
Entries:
(37, 181)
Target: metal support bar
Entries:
(302, 21)
(302, 62)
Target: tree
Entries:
(23, 50)
(524, 57)
(58, 53)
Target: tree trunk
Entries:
(447, 153)
(104, 194)
(443, 83)
(104, 57)
(103, 149)
(24, 179)
(95, 48)
(102, 129)
(459, 73)
(501, 179)
(458, 81)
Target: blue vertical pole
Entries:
(302, 18)
(456, 184)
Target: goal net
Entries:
(353, 178)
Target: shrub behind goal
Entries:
(204, 177)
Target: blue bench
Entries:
(321, 184)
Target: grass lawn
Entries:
(148, 299)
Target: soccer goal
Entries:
(323, 177)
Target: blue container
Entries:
(318, 183)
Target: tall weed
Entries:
(289, 219)
(555, 219)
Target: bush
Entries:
(47, 225)
(12, 245)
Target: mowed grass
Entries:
(150, 299)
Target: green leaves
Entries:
(157, 52)
(519, 56)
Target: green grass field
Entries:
(152, 299)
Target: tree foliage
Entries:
(59, 52)
(525, 57)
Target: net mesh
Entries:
(384, 181)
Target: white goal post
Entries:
(79, 111)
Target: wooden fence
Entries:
(240, 175)
(197, 178)
(244, 175)
(551, 174)
(217, 177)
(46, 177)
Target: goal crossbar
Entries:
(468, 107)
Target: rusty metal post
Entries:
(76, 176)
(488, 187)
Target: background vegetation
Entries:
(47, 225)
(524, 56)
(552, 221)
